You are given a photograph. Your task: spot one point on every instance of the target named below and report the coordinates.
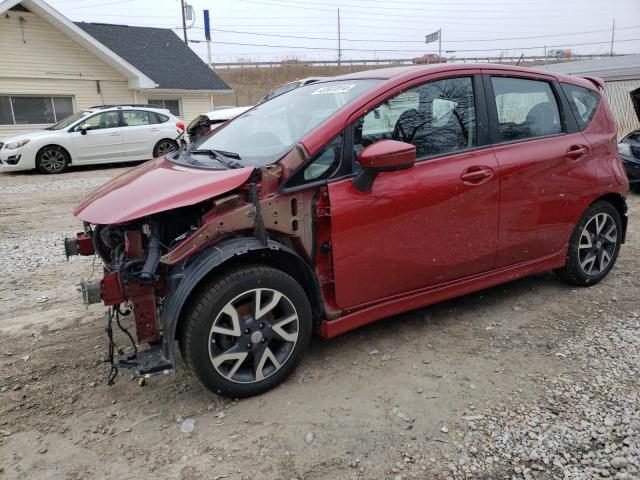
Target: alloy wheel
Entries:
(165, 147)
(253, 336)
(597, 244)
(53, 161)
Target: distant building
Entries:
(53, 67)
(621, 75)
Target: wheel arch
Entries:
(57, 145)
(185, 278)
(620, 204)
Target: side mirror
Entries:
(383, 156)
(84, 128)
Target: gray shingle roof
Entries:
(159, 54)
(623, 67)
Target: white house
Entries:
(52, 67)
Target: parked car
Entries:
(349, 200)
(288, 87)
(101, 134)
(429, 58)
(205, 123)
(629, 149)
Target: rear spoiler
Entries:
(598, 82)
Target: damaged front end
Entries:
(190, 225)
(134, 281)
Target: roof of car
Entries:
(158, 53)
(411, 71)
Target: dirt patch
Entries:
(385, 401)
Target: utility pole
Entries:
(184, 22)
(440, 43)
(613, 34)
(339, 45)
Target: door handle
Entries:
(475, 176)
(115, 134)
(155, 129)
(576, 152)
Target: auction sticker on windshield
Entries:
(333, 89)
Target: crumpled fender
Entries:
(183, 278)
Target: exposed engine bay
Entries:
(147, 261)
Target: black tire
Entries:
(164, 146)
(582, 250)
(203, 343)
(52, 159)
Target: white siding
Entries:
(617, 94)
(38, 59)
(192, 104)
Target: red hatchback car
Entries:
(349, 200)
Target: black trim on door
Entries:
(569, 116)
(483, 129)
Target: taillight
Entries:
(180, 126)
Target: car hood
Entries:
(30, 136)
(156, 186)
(227, 113)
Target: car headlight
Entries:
(16, 145)
(624, 149)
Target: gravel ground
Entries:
(584, 423)
(531, 379)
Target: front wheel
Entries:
(594, 245)
(246, 331)
(52, 159)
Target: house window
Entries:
(28, 109)
(173, 105)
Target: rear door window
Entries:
(134, 118)
(583, 102)
(526, 108)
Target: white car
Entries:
(104, 134)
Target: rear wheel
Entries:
(52, 159)
(594, 245)
(163, 147)
(247, 331)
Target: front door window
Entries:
(438, 117)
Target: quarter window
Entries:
(526, 108)
(23, 110)
(173, 105)
(322, 166)
(438, 117)
(583, 102)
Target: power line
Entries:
(413, 41)
(547, 46)
(101, 4)
(421, 50)
(407, 15)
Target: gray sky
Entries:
(381, 28)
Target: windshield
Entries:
(264, 134)
(68, 121)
